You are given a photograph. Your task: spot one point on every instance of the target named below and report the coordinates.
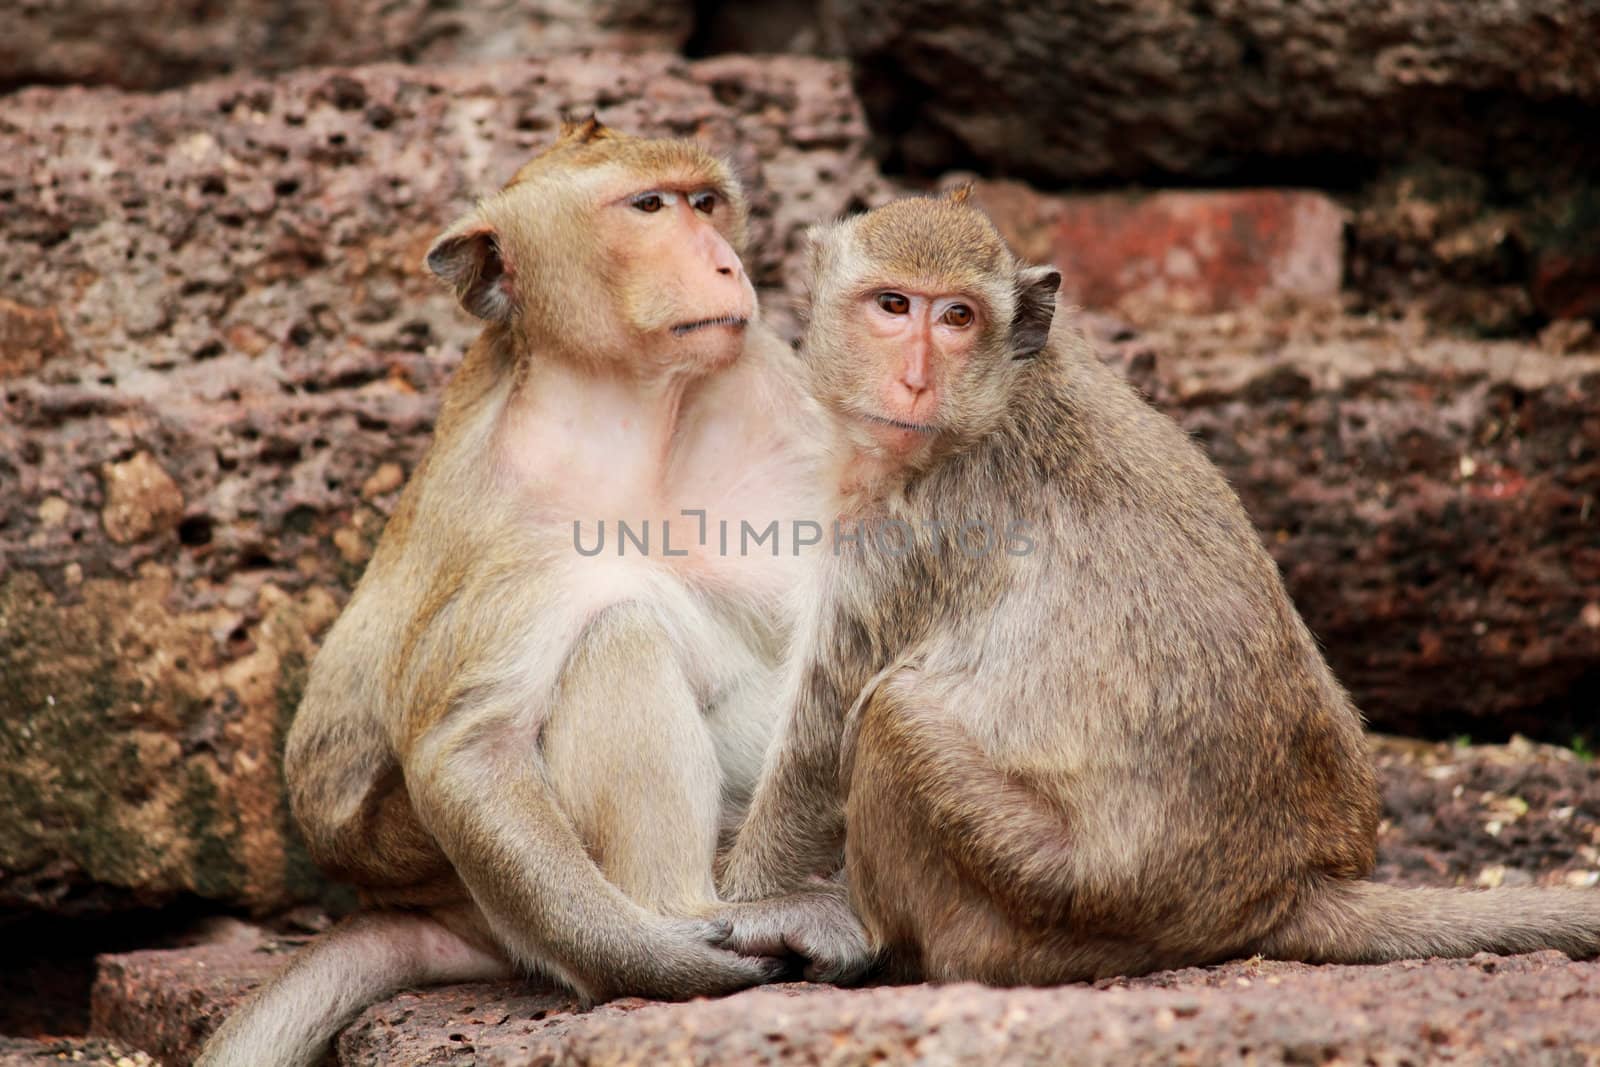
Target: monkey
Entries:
(1100, 741)
(524, 754)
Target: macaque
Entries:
(523, 752)
(1051, 698)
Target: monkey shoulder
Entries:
(1130, 527)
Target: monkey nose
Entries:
(726, 264)
(906, 398)
(719, 254)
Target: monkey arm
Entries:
(795, 830)
(795, 827)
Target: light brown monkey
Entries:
(523, 750)
(1098, 740)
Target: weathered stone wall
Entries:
(1097, 90)
(219, 358)
(154, 44)
(1464, 131)
(1434, 505)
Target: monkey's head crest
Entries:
(585, 130)
(576, 134)
(959, 194)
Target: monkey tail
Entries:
(1365, 922)
(290, 1021)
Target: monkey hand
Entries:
(692, 960)
(814, 923)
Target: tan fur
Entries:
(537, 749)
(1119, 752)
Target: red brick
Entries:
(1176, 251)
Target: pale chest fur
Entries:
(714, 489)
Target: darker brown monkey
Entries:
(1052, 699)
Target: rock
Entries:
(771, 27)
(173, 999)
(139, 741)
(1569, 335)
(141, 499)
(1182, 252)
(1437, 242)
(92, 1052)
(231, 359)
(1482, 1009)
(386, 479)
(1438, 799)
(1536, 1009)
(1566, 285)
(1086, 90)
(1468, 814)
(28, 337)
(1433, 503)
(153, 44)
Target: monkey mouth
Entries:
(899, 424)
(738, 322)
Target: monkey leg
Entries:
(604, 762)
(518, 810)
(961, 871)
(348, 795)
(289, 1021)
(633, 764)
(378, 845)
(900, 879)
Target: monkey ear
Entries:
(959, 194)
(1036, 310)
(818, 239)
(814, 238)
(468, 258)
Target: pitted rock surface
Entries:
(155, 44)
(1535, 1009)
(1260, 92)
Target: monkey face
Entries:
(673, 271)
(912, 344)
(917, 319)
(610, 250)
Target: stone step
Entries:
(85, 1051)
(1534, 1009)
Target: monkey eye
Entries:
(894, 303)
(649, 203)
(704, 201)
(957, 315)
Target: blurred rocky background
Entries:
(1353, 246)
